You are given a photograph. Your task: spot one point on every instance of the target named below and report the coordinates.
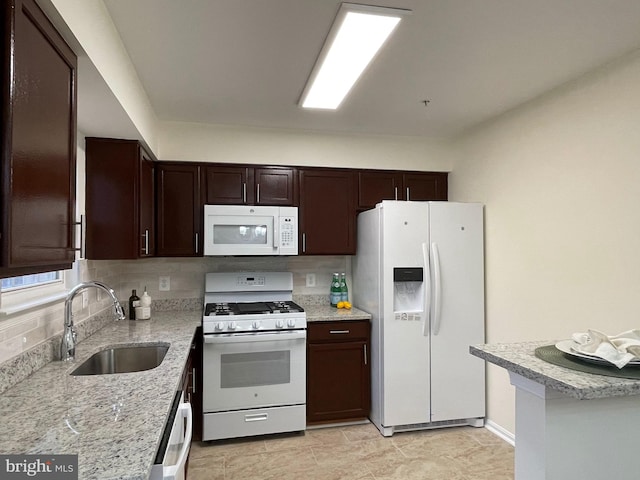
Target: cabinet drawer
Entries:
(341, 331)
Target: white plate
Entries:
(566, 346)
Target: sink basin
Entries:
(123, 360)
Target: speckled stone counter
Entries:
(316, 313)
(519, 358)
(113, 422)
(569, 424)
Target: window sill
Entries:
(19, 307)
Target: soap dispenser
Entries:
(145, 306)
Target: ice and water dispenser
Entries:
(408, 293)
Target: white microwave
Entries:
(250, 230)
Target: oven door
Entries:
(249, 370)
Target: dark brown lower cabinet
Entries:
(338, 371)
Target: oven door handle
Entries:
(256, 337)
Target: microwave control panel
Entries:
(287, 231)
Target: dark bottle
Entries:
(134, 301)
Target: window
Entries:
(29, 291)
(24, 281)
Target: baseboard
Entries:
(314, 426)
(504, 434)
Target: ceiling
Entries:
(245, 62)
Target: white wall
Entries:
(560, 178)
(214, 143)
(89, 22)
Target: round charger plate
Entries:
(549, 353)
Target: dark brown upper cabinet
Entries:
(179, 210)
(275, 186)
(38, 142)
(377, 185)
(327, 214)
(119, 199)
(241, 185)
(425, 186)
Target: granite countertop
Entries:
(316, 313)
(520, 358)
(114, 423)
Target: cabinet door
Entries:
(327, 211)
(425, 186)
(338, 386)
(179, 208)
(146, 202)
(274, 186)
(119, 199)
(373, 187)
(38, 141)
(229, 185)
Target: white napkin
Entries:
(618, 349)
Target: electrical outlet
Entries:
(85, 299)
(164, 284)
(311, 280)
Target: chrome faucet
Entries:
(69, 336)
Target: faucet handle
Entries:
(118, 311)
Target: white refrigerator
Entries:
(419, 272)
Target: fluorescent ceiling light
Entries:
(357, 34)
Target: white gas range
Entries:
(254, 355)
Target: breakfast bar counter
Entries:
(569, 424)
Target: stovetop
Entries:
(251, 308)
(255, 317)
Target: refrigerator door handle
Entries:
(427, 290)
(437, 289)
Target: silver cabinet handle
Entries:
(333, 332)
(196, 242)
(365, 353)
(395, 192)
(146, 242)
(408, 193)
(244, 193)
(81, 247)
(258, 193)
(304, 242)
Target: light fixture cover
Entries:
(357, 34)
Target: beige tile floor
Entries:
(356, 452)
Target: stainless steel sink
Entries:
(123, 360)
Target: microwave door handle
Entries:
(276, 241)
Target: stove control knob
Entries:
(256, 324)
(233, 325)
(220, 326)
(291, 322)
(279, 324)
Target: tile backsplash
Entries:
(186, 275)
(24, 331)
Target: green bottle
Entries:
(344, 291)
(335, 294)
